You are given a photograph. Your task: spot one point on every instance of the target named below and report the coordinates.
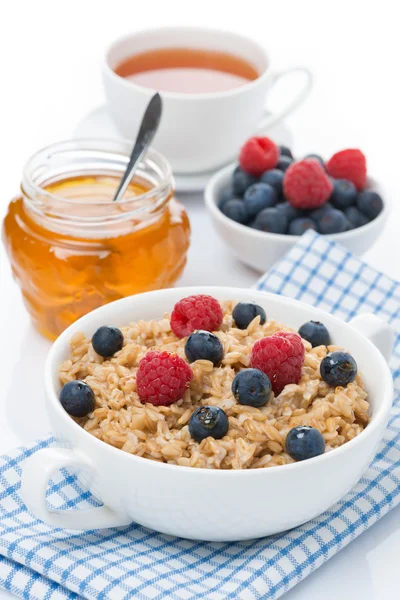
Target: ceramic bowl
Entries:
(259, 249)
(206, 504)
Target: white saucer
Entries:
(98, 124)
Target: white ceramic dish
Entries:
(259, 249)
(197, 503)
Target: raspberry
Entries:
(196, 312)
(306, 184)
(258, 154)
(349, 164)
(280, 356)
(162, 378)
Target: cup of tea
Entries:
(214, 86)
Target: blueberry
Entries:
(235, 210)
(338, 368)
(344, 194)
(289, 211)
(304, 442)
(273, 177)
(316, 333)
(203, 345)
(283, 163)
(285, 151)
(77, 398)
(271, 220)
(241, 181)
(208, 421)
(225, 196)
(300, 225)
(318, 158)
(370, 204)
(245, 312)
(333, 221)
(251, 387)
(355, 217)
(259, 196)
(107, 340)
(320, 212)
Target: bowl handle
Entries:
(37, 471)
(377, 331)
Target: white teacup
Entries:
(198, 132)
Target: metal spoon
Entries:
(148, 128)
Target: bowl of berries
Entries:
(261, 205)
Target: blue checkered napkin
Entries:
(40, 562)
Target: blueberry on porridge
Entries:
(205, 388)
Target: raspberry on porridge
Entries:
(242, 426)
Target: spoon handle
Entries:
(148, 128)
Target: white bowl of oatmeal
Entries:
(143, 463)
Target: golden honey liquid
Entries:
(64, 277)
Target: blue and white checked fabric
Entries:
(42, 563)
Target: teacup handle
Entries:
(269, 120)
(36, 473)
(377, 331)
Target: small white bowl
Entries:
(259, 249)
(206, 504)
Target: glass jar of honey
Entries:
(72, 249)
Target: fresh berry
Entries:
(338, 369)
(349, 164)
(259, 196)
(251, 387)
(162, 378)
(107, 340)
(258, 155)
(77, 398)
(285, 151)
(236, 210)
(317, 214)
(344, 194)
(241, 181)
(280, 356)
(289, 211)
(208, 421)
(318, 158)
(245, 312)
(299, 226)
(226, 195)
(304, 442)
(271, 220)
(203, 345)
(316, 333)
(333, 221)
(370, 204)
(284, 163)
(355, 217)
(196, 312)
(274, 177)
(306, 184)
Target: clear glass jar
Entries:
(72, 249)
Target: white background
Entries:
(50, 56)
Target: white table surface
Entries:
(52, 79)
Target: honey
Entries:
(72, 250)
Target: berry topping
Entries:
(273, 177)
(318, 158)
(285, 151)
(338, 368)
(280, 356)
(107, 340)
(355, 217)
(333, 221)
(235, 209)
(162, 378)
(316, 333)
(306, 184)
(225, 196)
(344, 194)
(241, 181)
(202, 345)
(77, 398)
(318, 213)
(370, 204)
(196, 312)
(304, 442)
(270, 220)
(289, 211)
(245, 312)
(349, 164)
(259, 196)
(251, 387)
(208, 421)
(258, 155)
(299, 226)
(284, 163)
